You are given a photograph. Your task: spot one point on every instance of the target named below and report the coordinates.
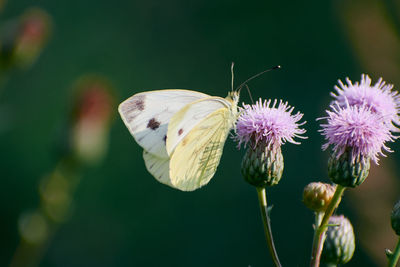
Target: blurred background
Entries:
(74, 190)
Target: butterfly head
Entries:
(233, 96)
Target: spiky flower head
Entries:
(265, 126)
(339, 244)
(268, 123)
(356, 129)
(379, 98)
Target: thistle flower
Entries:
(358, 129)
(265, 126)
(379, 98)
(268, 124)
(357, 135)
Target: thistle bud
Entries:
(395, 218)
(357, 135)
(339, 244)
(262, 167)
(317, 196)
(348, 171)
(266, 126)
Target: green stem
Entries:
(317, 222)
(262, 198)
(395, 256)
(319, 235)
(318, 219)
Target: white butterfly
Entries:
(182, 133)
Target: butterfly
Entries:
(182, 133)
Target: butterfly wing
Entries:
(195, 158)
(158, 167)
(147, 115)
(189, 116)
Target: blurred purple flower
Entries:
(379, 98)
(357, 128)
(271, 125)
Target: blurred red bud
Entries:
(33, 33)
(23, 39)
(93, 107)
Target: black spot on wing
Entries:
(180, 131)
(131, 108)
(165, 138)
(153, 124)
(134, 104)
(138, 102)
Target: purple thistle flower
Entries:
(266, 123)
(357, 128)
(379, 98)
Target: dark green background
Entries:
(122, 216)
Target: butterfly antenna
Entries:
(232, 65)
(255, 76)
(248, 90)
